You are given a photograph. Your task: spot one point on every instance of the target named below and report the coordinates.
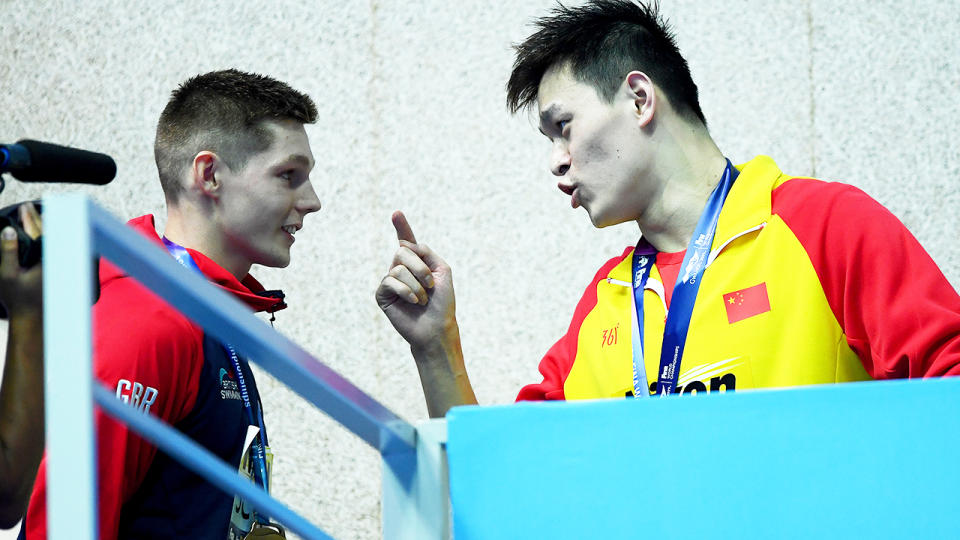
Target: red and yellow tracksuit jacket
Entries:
(808, 282)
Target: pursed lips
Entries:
(570, 190)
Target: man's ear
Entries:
(643, 94)
(205, 172)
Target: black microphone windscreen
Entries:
(55, 163)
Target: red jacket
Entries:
(161, 363)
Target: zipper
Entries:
(652, 285)
(716, 252)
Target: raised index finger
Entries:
(404, 232)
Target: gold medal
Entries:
(270, 531)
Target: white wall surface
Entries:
(412, 117)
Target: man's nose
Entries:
(559, 160)
(308, 202)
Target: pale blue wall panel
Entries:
(855, 460)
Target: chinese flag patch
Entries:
(746, 303)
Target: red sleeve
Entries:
(151, 356)
(899, 313)
(556, 364)
(141, 347)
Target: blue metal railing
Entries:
(75, 231)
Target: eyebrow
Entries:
(300, 159)
(546, 115)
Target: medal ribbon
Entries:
(258, 455)
(684, 292)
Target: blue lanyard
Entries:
(684, 292)
(258, 455)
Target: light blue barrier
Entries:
(75, 230)
(865, 460)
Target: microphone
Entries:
(34, 161)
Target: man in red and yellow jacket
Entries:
(790, 297)
(744, 277)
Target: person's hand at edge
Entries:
(21, 392)
(21, 289)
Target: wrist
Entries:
(441, 348)
(26, 315)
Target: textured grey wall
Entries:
(413, 118)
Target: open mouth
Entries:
(290, 229)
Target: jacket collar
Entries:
(748, 204)
(247, 290)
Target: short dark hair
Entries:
(223, 112)
(602, 41)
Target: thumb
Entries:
(9, 259)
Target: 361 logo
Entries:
(610, 336)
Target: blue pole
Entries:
(201, 461)
(67, 296)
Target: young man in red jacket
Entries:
(234, 162)
(744, 277)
